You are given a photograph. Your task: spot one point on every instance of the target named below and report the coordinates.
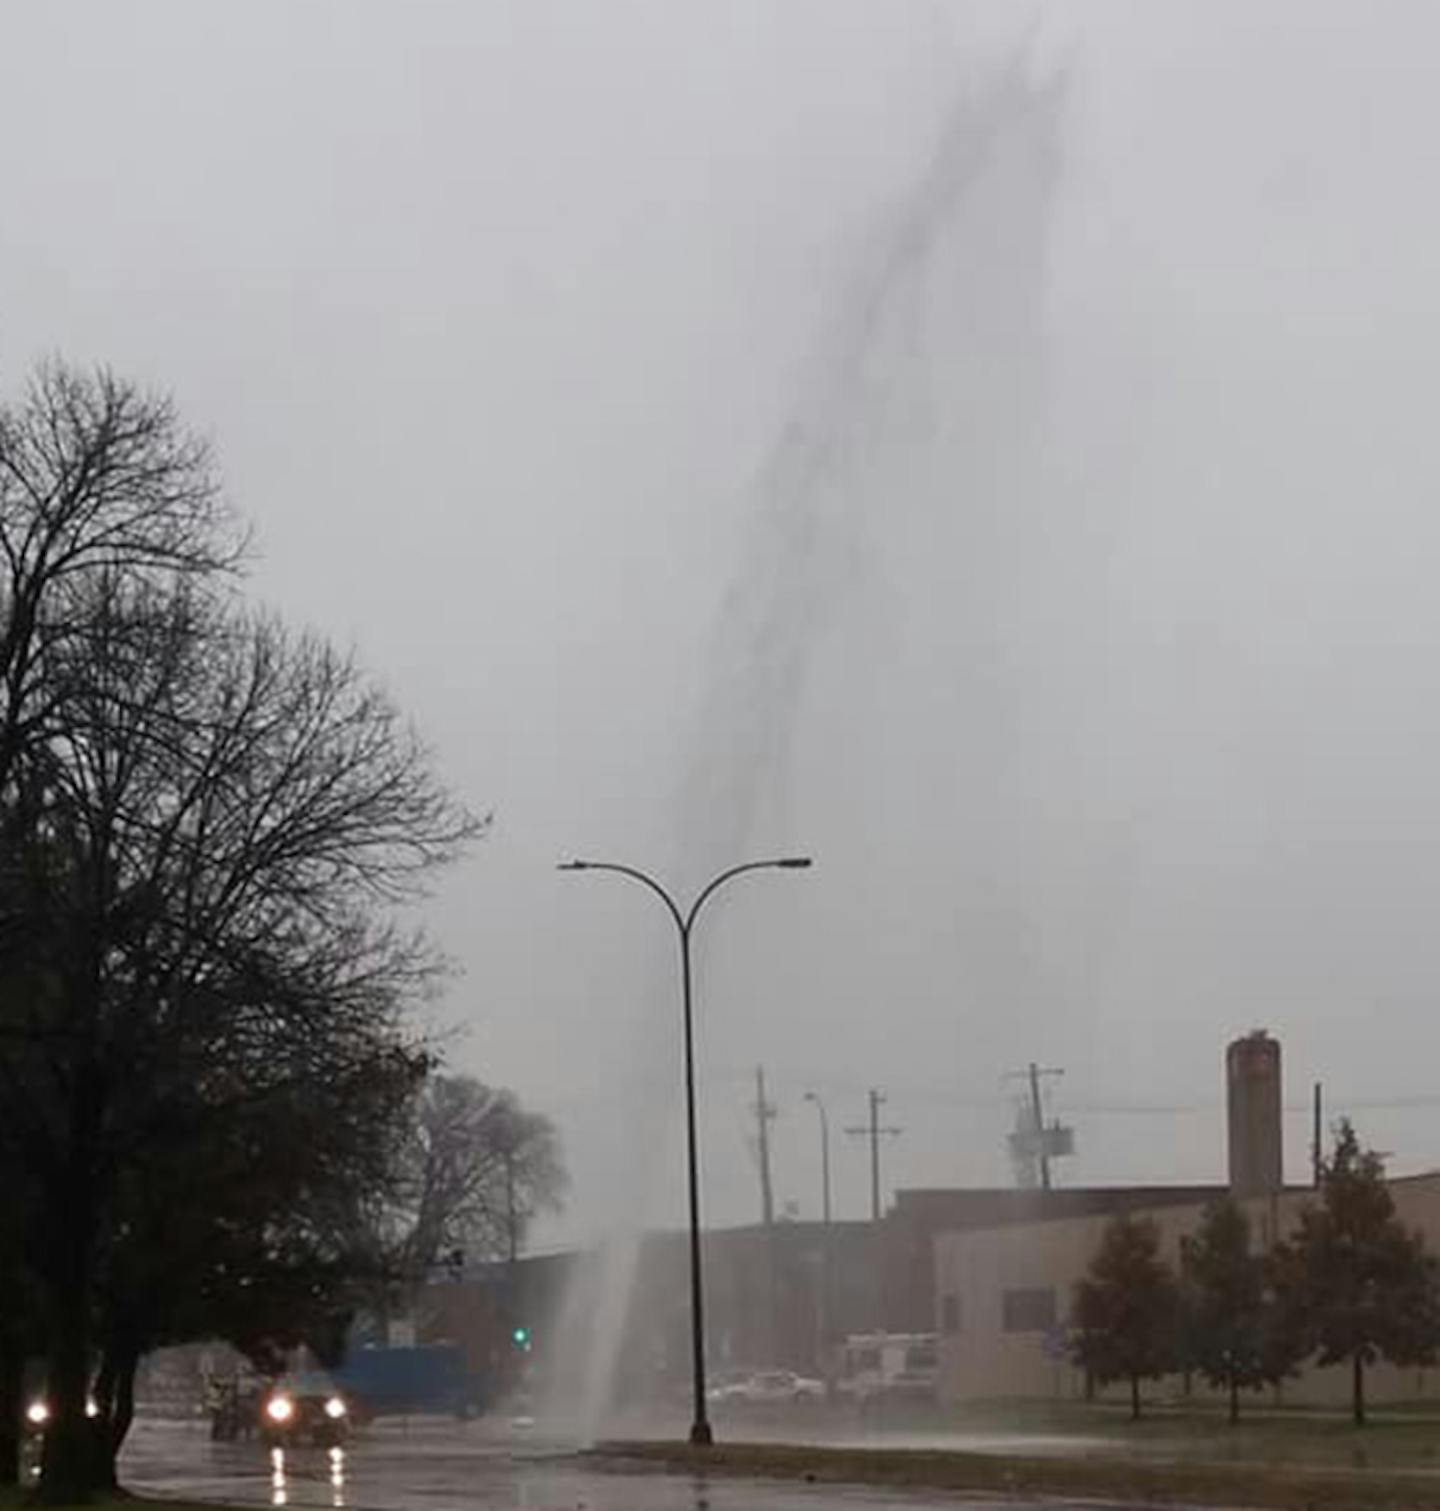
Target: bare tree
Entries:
(95, 475)
(229, 1232)
(221, 827)
(475, 1170)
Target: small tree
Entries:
(1357, 1284)
(1125, 1311)
(1233, 1330)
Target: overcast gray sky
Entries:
(1090, 632)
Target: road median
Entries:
(1101, 1478)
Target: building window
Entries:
(950, 1315)
(1028, 1311)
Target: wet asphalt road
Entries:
(435, 1467)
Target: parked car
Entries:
(722, 1386)
(769, 1387)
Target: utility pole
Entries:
(764, 1115)
(874, 1133)
(512, 1226)
(1039, 1124)
(1317, 1152)
(1046, 1141)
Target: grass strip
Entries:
(1208, 1484)
(23, 1498)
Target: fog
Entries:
(1096, 672)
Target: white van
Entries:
(898, 1364)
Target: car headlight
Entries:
(334, 1408)
(279, 1408)
(37, 1413)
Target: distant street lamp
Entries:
(700, 1433)
(825, 1257)
(810, 1096)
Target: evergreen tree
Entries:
(1125, 1313)
(1233, 1327)
(1357, 1284)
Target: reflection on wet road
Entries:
(439, 1466)
(280, 1483)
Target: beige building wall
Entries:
(996, 1340)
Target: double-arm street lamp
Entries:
(685, 923)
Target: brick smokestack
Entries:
(1252, 1081)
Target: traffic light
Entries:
(520, 1337)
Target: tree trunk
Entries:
(12, 1404)
(127, 1361)
(67, 1460)
(1234, 1400)
(66, 1468)
(102, 1461)
(1134, 1398)
(102, 1392)
(1357, 1364)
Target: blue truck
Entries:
(430, 1377)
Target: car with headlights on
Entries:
(304, 1408)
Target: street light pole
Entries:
(810, 1096)
(700, 1432)
(826, 1261)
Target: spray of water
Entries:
(834, 465)
(983, 197)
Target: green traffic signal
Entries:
(520, 1337)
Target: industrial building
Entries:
(1003, 1291)
(991, 1271)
